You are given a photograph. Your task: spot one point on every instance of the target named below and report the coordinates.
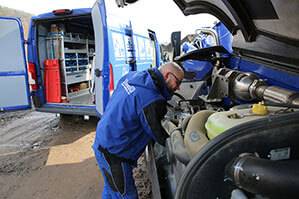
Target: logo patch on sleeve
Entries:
(129, 89)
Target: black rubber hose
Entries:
(266, 177)
(179, 96)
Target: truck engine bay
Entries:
(203, 113)
(234, 128)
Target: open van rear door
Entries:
(102, 55)
(14, 86)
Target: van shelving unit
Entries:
(72, 50)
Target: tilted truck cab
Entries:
(234, 123)
(74, 59)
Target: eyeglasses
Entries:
(178, 81)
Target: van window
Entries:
(118, 45)
(141, 48)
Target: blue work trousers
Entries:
(118, 177)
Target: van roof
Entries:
(51, 15)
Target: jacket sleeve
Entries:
(151, 121)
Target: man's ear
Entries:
(166, 74)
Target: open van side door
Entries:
(99, 19)
(14, 86)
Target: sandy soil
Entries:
(44, 156)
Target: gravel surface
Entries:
(44, 156)
(24, 130)
(142, 181)
(6, 117)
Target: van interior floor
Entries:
(86, 99)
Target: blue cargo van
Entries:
(94, 50)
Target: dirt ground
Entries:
(45, 156)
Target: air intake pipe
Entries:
(248, 86)
(177, 148)
(266, 177)
(278, 95)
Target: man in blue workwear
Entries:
(131, 120)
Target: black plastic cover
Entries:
(203, 54)
(263, 28)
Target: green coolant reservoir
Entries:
(219, 122)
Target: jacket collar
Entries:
(160, 83)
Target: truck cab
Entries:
(233, 125)
(74, 60)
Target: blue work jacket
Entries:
(133, 115)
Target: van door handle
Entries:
(97, 72)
